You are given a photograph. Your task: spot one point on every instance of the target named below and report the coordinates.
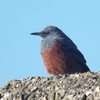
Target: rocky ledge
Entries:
(81, 86)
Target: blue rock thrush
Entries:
(60, 54)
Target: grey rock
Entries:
(78, 86)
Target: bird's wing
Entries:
(71, 48)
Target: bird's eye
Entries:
(47, 32)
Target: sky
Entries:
(20, 52)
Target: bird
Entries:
(60, 54)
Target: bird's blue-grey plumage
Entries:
(52, 34)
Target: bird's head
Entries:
(49, 31)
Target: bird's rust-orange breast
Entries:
(58, 61)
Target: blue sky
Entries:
(20, 52)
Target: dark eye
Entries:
(47, 32)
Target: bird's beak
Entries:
(35, 33)
(41, 34)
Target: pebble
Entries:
(78, 86)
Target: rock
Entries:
(78, 86)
